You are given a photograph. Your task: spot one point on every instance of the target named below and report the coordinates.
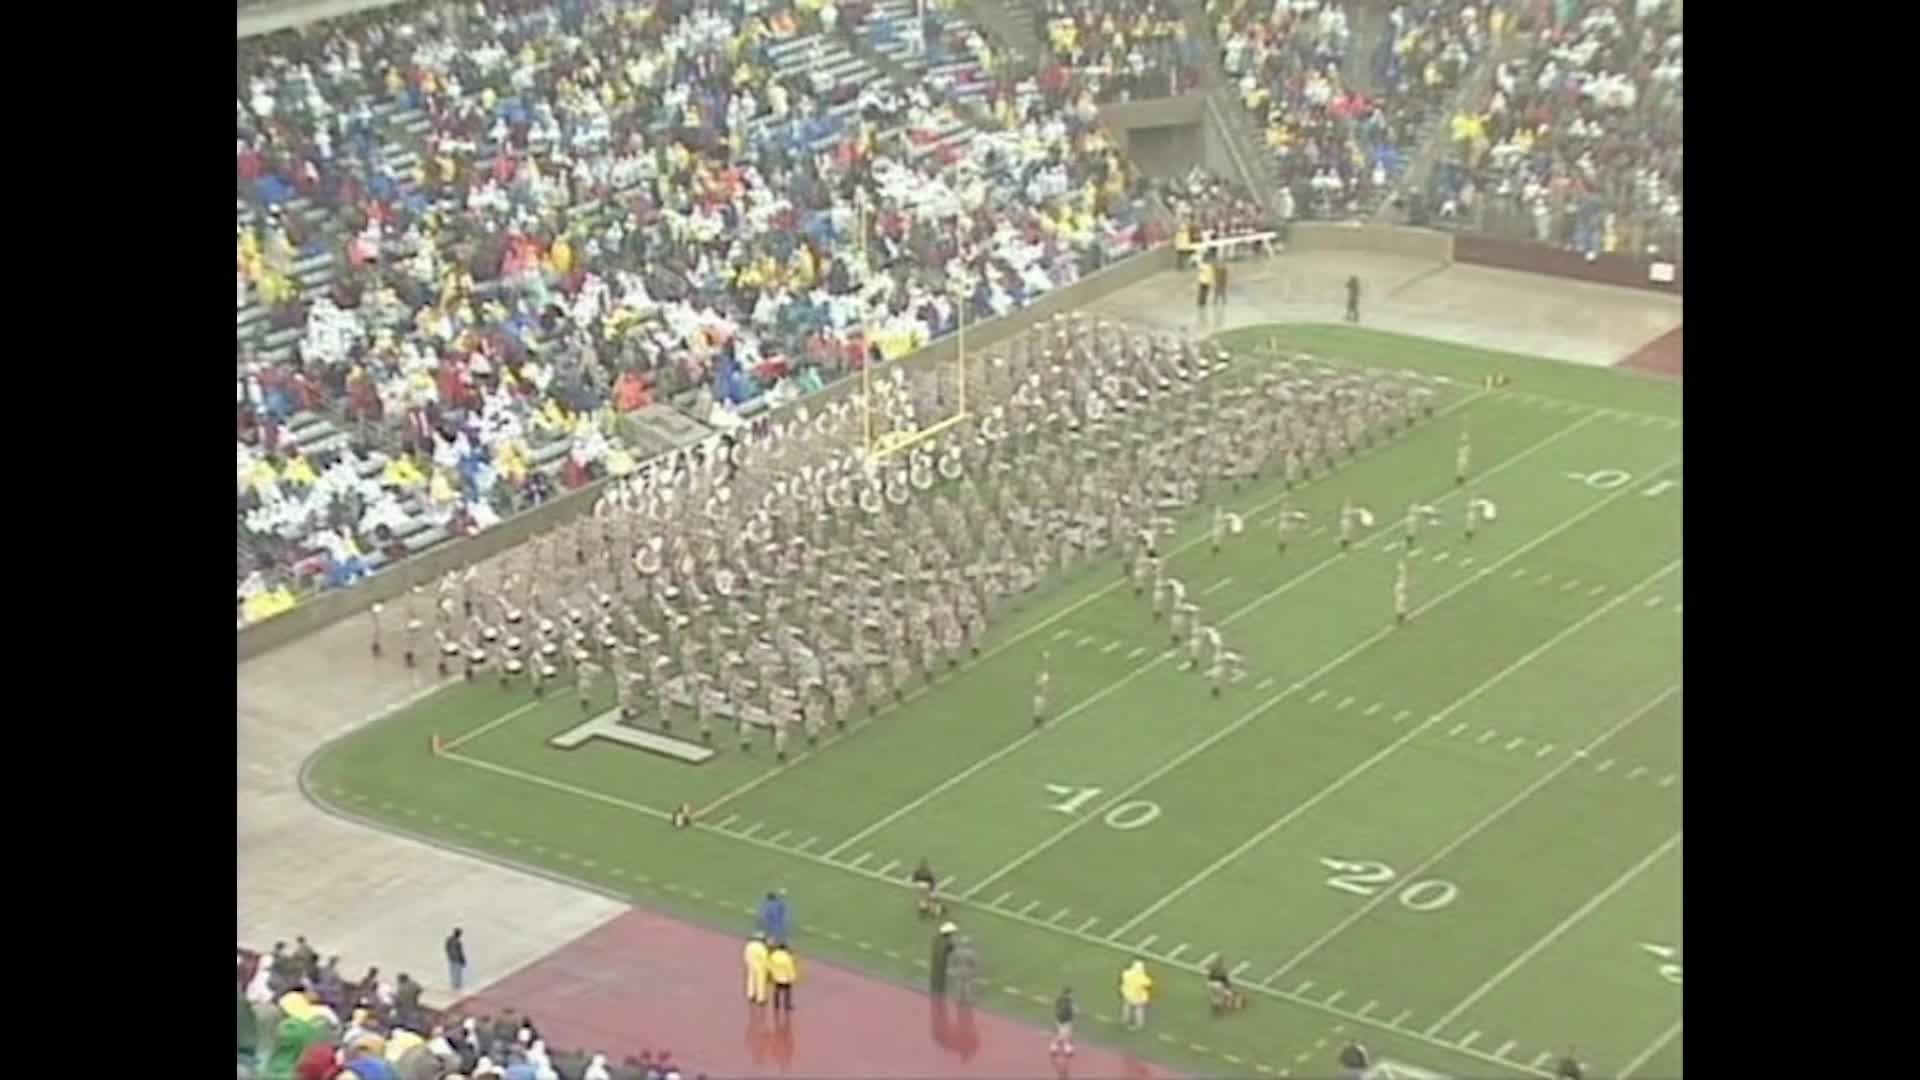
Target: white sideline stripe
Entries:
(753, 828)
(1401, 1019)
(1457, 729)
(1111, 646)
(864, 856)
(1263, 684)
(1200, 747)
(1334, 998)
(1138, 651)
(1344, 702)
(1626, 1073)
(1147, 942)
(1515, 745)
(1177, 950)
(1083, 642)
(809, 842)
(1636, 772)
(1207, 960)
(1412, 733)
(1088, 925)
(1373, 708)
(1565, 925)
(1012, 747)
(1570, 584)
(1505, 1048)
(1001, 899)
(1472, 1037)
(1603, 766)
(941, 885)
(1216, 586)
(887, 870)
(1544, 751)
(1031, 904)
(1369, 1006)
(779, 836)
(1058, 915)
(1667, 780)
(1487, 736)
(1401, 715)
(1541, 1061)
(1063, 632)
(728, 820)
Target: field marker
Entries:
(1603, 766)
(1316, 530)
(942, 884)
(1565, 925)
(1263, 684)
(861, 861)
(1503, 809)
(1031, 904)
(1466, 561)
(1505, 1048)
(1334, 998)
(1543, 751)
(1515, 745)
(887, 870)
(1457, 729)
(809, 842)
(1520, 573)
(1065, 631)
(1544, 578)
(1401, 715)
(1001, 899)
(1596, 590)
(1110, 647)
(1216, 586)
(1344, 702)
(730, 819)
(1231, 1059)
(1401, 1019)
(1014, 746)
(1543, 1059)
(751, 829)
(1317, 696)
(1177, 950)
(1486, 736)
(893, 954)
(1368, 1007)
(1385, 752)
(1653, 601)
(1646, 1055)
(1147, 942)
(510, 716)
(1138, 651)
(1440, 556)
(1636, 772)
(1570, 584)
(1667, 780)
(1299, 991)
(1676, 609)
(1058, 915)
(1472, 1036)
(1373, 708)
(1301, 1057)
(1237, 968)
(779, 836)
(1088, 925)
(1083, 642)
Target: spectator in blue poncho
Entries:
(773, 915)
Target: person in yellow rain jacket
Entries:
(756, 958)
(1136, 990)
(785, 972)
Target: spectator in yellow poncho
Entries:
(1136, 990)
(402, 473)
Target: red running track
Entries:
(644, 982)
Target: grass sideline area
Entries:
(1457, 841)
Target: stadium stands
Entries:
(469, 239)
(1121, 51)
(1339, 150)
(301, 1019)
(1578, 143)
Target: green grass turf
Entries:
(1451, 840)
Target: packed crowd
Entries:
(301, 1018)
(1121, 51)
(1578, 144)
(1208, 205)
(532, 216)
(1338, 149)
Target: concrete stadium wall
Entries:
(1633, 271)
(330, 607)
(1166, 136)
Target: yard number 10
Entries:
(1132, 814)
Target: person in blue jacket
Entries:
(773, 915)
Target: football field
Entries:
(1457, 840)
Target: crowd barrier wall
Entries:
(1606, 268)
(330, 607)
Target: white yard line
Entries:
(1646, 1055)
(1257, 711)
(726, 797)
(1504, 808)
(1391, 748)
(505, 718)
(1554, 934)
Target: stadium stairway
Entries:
(943, 66)
(1013, 24)
(1438, 134)
(801, 56)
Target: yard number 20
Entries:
(1363, 877)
